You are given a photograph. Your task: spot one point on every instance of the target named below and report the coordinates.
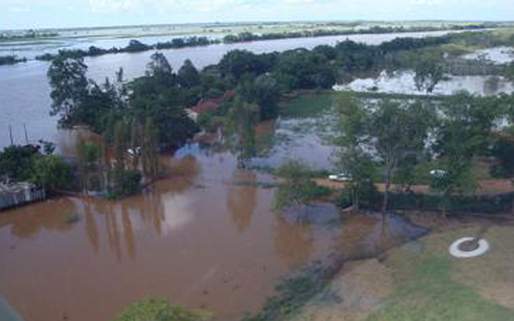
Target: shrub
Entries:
(298, 188)
(124, 183)
(159, 310)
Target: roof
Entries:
(212, 104)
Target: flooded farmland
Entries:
(402, 82)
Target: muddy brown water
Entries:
(199, 238)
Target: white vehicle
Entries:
(342, 177)
(134, 152)
(439, 173)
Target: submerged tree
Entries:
(429, 72)
(243, 118)
(150, 149)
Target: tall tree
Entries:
(69, 87)
(351, 156)
(188, 75)
(243, 118)
(158, 66)
(429, 72)
(150, 149)
(385, 134)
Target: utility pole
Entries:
(26, 135)
(10, 135)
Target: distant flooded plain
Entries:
(24, 89)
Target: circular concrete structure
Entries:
(454, 249)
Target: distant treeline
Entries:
(11, 60)
(30, 34)
(177, 43)
(133, 46)
(248, 36)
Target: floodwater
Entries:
(496, 55)
(402, 82)
(205, 238)
(24, 89)
(305, 139)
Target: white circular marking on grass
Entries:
(483, 246)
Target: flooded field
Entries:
(206, 238)
(402, 82)
(497, 55)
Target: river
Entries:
(24, 89)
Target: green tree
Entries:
(398, 131)
(158, 66)
(150, 149)
(16, 162)
(351, 157)
(243, 118)
(188, 75)
(263, 91)
(89, 157)
(52, 173)
(297, 188)
(386, 135)
(429, 72)
(69, 88)
(464, 132)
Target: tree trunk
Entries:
(386, 194)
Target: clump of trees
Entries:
(28, 164)
(389, 141)
(11, 60)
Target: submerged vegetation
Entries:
(298, 187)
(160, 310)
(293, 292)
(11, 60)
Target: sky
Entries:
(25, 14)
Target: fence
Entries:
(16, 197)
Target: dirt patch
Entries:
(353, 294)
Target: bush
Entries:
(124, 183)
(368, 195)
(52, 173)
(456, 203)
(159, 310)
(298, 187)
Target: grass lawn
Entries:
(306, 105)
(429, 284)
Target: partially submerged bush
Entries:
(124, 183)
(72, 218)
(293, 292)
(159, 310)
(367, 196)
(298, 187)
